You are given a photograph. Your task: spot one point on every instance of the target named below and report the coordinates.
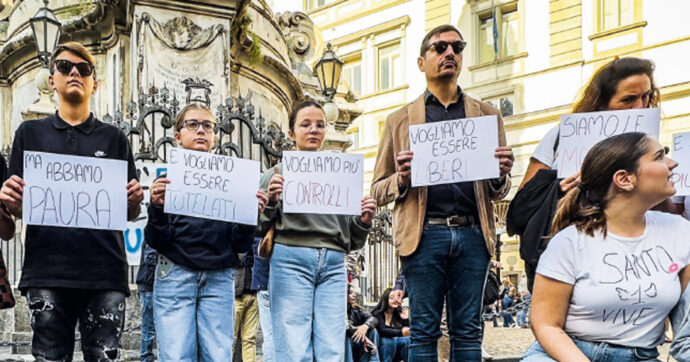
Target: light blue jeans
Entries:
(308, 290)
(148, 329)
(596, 352)
(193, 312)
(266, 327)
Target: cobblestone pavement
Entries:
(511, 343)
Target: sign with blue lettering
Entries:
(74, 191)
(212, 186)
(134, 234)
(454, 151)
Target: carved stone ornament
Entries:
(181, 33)
(300, 36)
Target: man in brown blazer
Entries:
(445, 234)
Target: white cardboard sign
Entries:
(212, 186)
(134, 234)
(74, 191)
(322, 182)
(581, 131)
(454, 151)
(681, 154)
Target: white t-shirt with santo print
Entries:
(623, 288)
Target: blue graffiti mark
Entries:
(140, 239)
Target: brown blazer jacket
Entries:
(410, 206)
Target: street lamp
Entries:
(328, 71)
(46, 30)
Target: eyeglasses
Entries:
(64, 66)
(193, 125)
(441, 46)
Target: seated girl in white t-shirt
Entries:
(614, 269)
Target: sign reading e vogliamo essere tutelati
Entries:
(74, 191)
(579, 132)
(454, 151)
(211, 186)
(322, 182)
(681, 154)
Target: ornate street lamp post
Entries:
(328, 71)
(46, 30)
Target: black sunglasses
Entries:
(441, 46)
(64, 66)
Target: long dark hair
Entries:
(584, 205)
(382, 306)
(353, 305)
(604, 83)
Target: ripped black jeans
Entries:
(54, 314)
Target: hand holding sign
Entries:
(263, 200)
(404, 161)
(11, 194)
(368, 210)
(158, 191)
(505, 159)
(275, 186)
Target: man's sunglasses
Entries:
(64, 66)
(441, 46)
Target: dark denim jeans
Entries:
(148, 329)
(449, 262)
(596, 352)
(394, 349)
(54, 315)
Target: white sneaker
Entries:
(486, 356)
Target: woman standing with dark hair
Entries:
(614, 269)
(394, 331)
(625, 83)
(308, 280)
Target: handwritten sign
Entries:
(322, 182)
(147, 172)
(74, 191)
(212, 186)
(581, 131)
(681, 154)
(454, 151)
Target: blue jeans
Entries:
(148, 329)
(354, 351)
(193, 310)
(394, 349)
(596, 352)
(266, 327)
(507, 319)
(521, 317)
(450, 262)
(308, 290)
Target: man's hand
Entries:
(404, 168)
(11, 194)
(505, 159)
(368, 210)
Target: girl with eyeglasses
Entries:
(307, 284)
(194, 288)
